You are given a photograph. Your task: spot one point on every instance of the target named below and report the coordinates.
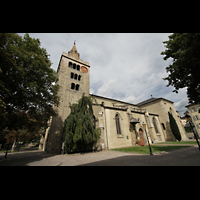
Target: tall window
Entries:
(117, 124)
(72, 86)
(70, 64)
(75, 76)
(155, 125)
(163, 126)
(74, 66)
(77, 87)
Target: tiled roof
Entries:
(151, 100)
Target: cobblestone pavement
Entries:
(183, 157)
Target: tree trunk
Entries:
(13, 146)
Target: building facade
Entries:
(73, 75)
(194, 112)
(120, 122)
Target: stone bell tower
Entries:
(74, 80)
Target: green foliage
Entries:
(174, 127)
(27, 84)
(79, 130)
(184, 49)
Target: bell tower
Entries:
(74, 80)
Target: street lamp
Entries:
(189, 119)
(144, 126)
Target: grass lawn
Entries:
(145, 149)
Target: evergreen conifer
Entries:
(79, 131)
(174, 127)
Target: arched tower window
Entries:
(72, 75)
(79, 77)
(117, 124)
(74, 66)
(77, 87)
(72, 86)
(75, 76)
(70, 64)
(155, 125)
(78, 67)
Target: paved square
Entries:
(183, 157)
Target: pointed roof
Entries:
(74, 47)
(73, 52)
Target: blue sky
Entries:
(124, 66)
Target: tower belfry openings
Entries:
(73, 74)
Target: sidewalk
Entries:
(158, 144)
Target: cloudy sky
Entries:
(123, 66)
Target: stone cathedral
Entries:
(120, 122)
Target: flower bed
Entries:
(140, 143)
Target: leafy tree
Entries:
(79, 130)
(5, 60)
(184, 49)
(174, 127)
(27, 84)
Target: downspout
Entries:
(105, 128)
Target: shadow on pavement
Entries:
(23, 158)
(181, 157)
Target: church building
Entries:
(121, 123)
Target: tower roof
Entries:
(73, 52)
(74, 47)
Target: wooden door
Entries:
(141, 135)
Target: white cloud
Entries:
(180, 106)
(125, 66)
(107, 88)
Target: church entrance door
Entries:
(141, 135)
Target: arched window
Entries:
(70, 64)
(117, 124)
(75, 76)
(72, 75)
(72, 86)
(94, 121)
(79, 77)
(163, 126)
(78, 67)
(155, 125)
(74, 66)
(77, 87)
(170, 110)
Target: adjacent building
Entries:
(194, 112)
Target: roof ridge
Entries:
(113, 99)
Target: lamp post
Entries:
(189, 119)
(144, 126)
